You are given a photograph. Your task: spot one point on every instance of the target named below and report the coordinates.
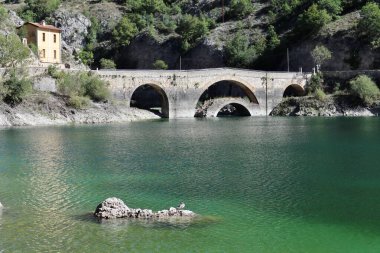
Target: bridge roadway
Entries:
(181, 90)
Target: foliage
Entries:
(312, 20)
(320, 55)
(39, 9)
(273, 39)
(365, 89)
(320, 94)
(333, 7)
(314, 83)
(192, 29)
(15, 88)
(240, 8)
(124, 31)
(239, 52)
(54, 72)
(107, 64)
(12, 51)
(83, 85)
(369, 25)
(3, 13)
(160, 64)
(87, 57)
(78, 102)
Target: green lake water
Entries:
(262, 184)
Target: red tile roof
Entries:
(45, 27)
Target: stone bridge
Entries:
(180, 91)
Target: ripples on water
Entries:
(268, 184)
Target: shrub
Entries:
(314, 83)
(320, 55)
(192, 29)
(312, 20)
(124, 31)
(40, 9)
(3, 13)
(107, 64)
(320, 94)
(240, 8)
(273, 39)
(239, 52)
(83, 84)
(15, 89)
(160, 64)
(87, 57)
(12, 51)
(53, 71)
(333, 7)
(365, 89)
(369, 25)
(78, 102)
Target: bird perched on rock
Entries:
(181, 205)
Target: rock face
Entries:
(113, 208)
(74, 27)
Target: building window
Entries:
(55, 53)
(55, 38)
(43, 36)
(43, 53)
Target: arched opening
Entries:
(234, 110)
(294, 90)
(151, 97)
(223, 90)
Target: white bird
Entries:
(181, 205)
(1, 206)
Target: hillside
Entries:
(203, 34)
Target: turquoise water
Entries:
(264, 184)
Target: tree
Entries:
(124, 31)
(333, 7)
(369, 25)
(160, 64)
(41, 8)
(320, 55)
(107, 64)
(312, 20)
(365, 89)
(16, 88)
(192, 29)
(273, 39)
(12, 51)
(239, 52)
(240, 8)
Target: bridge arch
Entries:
(294, 90)
(237, 107)
(152, 97)
(224, 89)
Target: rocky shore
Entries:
(331, 106)
(113, 208)
(50, 109)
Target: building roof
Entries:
(45, 27)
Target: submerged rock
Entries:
(113, 208)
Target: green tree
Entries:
(320, 55)
(12, 51)
(87, 57)
(239, 52)
(333, 7)
(3, 14)
(312, 20)
(315, 83)
(369, 24)
(192, 29)
(41, 8)
(365, 89)
(107, 64)
(124, 31)
(160, 64)
(240, 8)
(16, 87)
(273, 39)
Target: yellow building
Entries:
(47, 39)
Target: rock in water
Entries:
(112, 208)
